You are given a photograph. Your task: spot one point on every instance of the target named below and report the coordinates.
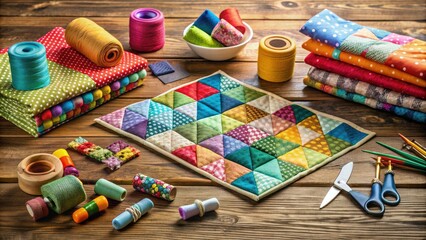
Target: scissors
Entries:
(378, 196)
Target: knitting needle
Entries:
(410, 148)
(399, 164)
(402, 153)
(406, 161)
(418, 148)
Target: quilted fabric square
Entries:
(161, 68)
(242, 137)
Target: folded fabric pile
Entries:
(77, 86)
(370, 66)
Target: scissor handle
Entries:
(359, 198)
(389, 190)
(375, 200)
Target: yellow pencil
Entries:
(412, 144)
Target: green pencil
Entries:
(402, 153)
(406, 161)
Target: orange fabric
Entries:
(410, 55)
(327, 51)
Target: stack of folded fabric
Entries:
(76, 86)
(370, 66)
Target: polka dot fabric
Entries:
(255, 147)
(396, 51)
(57, 50)
(71, 75)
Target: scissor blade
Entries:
(331, 195)
(343, 176)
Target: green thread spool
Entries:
(110, 190)
(64, 193)
(198, 37)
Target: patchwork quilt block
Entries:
(244, 138)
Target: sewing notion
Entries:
(133, 213)
(154, 187)
(59, 196)
(378, 197)
(110, 190)
(198, 208)
(91, 208)
(37, 170)
(67, 163)
(146, 30)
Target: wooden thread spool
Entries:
(276, 58)
(37, 170)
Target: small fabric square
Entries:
(161, 68)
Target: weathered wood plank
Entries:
(156, 165)
(16, 29)
(290, 213)
(269, 9)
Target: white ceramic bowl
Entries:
(223, 53)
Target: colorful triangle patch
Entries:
(115, 118)
(291, 134)
(181, 99)
(265, 182)
(347, 133)
(271, 169)
(130, 119)
(279, 124)
(236, 93)
(231, 144)
(204, 111)
(204, 132)
(229, 124)
(212, 81)
(165, 99)
(189, 109)
(289, 170)
(162, 140)
(142, 108)
(178, 141)
(238, 113)
(313, 157)
(247, 182)
(229, 103)
(254, 113)
(319, 144)
(206, 156)
(296, 157)
(327, 124)
(336, 145)
(300, 113)
(211, 101)
(234, 171)
(227, 84)
(188, 153)
(204, 91)
(251, 94)
(264, 124)
(286, 113)
(189, 131)
(215, 144)
(217, 169)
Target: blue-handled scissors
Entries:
(377, 197)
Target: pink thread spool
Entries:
(146, 30)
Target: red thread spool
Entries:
(232, 16)
(146, 30)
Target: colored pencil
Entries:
(402, 153)
(412, 144)
(406, 161)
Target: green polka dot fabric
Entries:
(71, 75)
(254, 142)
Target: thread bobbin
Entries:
(110, 190)
(198, 208)
(133, 213)
(37, 170)
(276, 58)
(28, 66)
(146, 30)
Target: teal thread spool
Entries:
(28, 66)
(110, 190)
(64, 193)
(132, 213)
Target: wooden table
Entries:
(291, 212)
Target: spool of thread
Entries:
(67, 163)
(199, 37)
(207, 21)
(110, 190)
(226, 34)
(132, 213)
(59, 195)
(94, 42)
(146, 30)
(63, 193)
(37, 170)
(155, 187)
(276, 58)
(198, 208)
(37, 208)
(97, 205)
(232, 16)
(28, 66)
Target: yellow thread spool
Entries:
(94, 42)
(276, 58)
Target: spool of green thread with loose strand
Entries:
(64, 193)
(110, 190)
